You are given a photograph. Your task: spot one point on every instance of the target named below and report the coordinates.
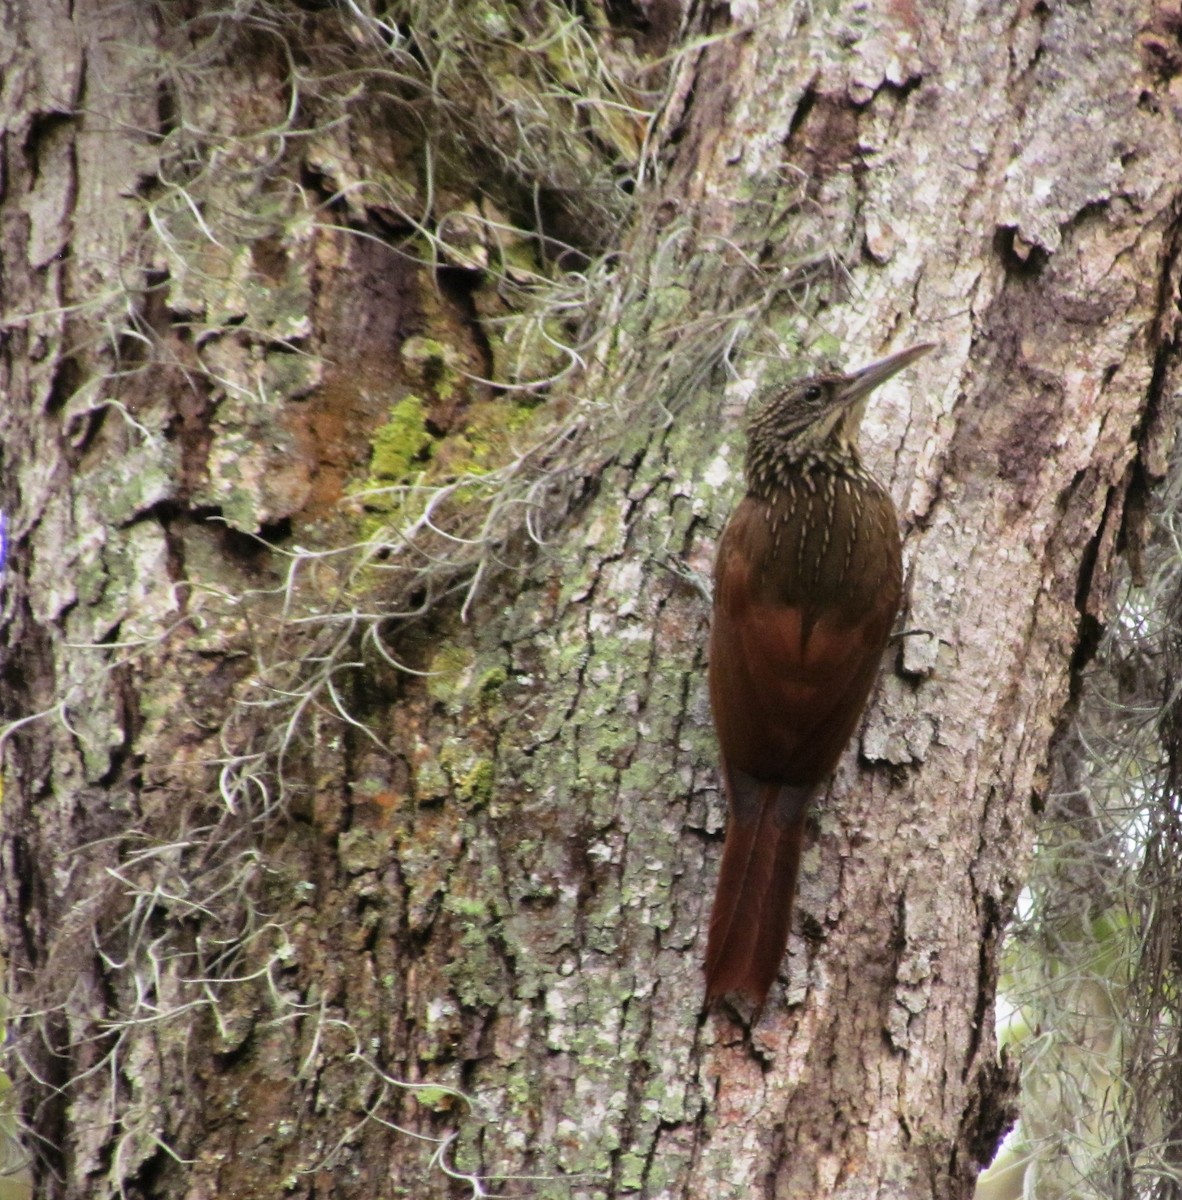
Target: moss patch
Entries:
(401, 445)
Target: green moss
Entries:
(466, 906)
(435, 1098)
(476, 786)
(473, 779)
(401, 445)
(405, 450)
(632, 1172)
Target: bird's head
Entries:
(818, 416)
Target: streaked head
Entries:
(820, 412)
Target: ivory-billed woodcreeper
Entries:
(807, 583)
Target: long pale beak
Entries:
(864, 380)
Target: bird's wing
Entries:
(788, 682)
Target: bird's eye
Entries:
(813, 393)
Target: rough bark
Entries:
(272, 917)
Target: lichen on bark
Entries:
(376, 796)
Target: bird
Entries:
(808, 577)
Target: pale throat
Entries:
(829, 443)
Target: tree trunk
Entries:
(360, 805)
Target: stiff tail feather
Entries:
(756, 886)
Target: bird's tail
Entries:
(756, 885)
